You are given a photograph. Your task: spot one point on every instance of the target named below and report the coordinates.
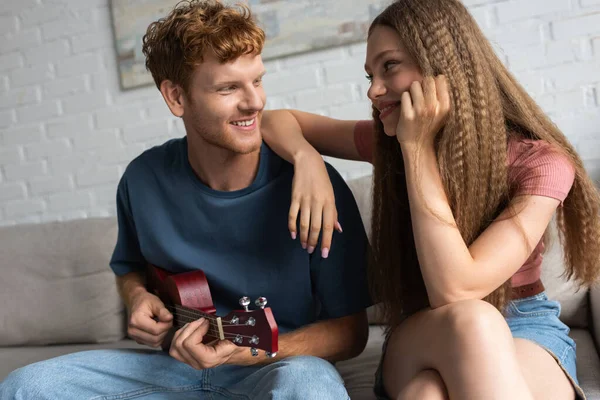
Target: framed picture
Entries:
(291, 27)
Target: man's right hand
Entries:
(149, 320)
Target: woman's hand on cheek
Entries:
(423, 111)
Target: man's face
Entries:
(224, 103)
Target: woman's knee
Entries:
(427, 384)
(476, 322)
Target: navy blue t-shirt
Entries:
(240, 239)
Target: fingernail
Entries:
(325, 252)
(311, 249)
(304, 245)
(293, 235)
(339, 226)
(201, 320)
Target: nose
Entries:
(377, 89)
(254, 99)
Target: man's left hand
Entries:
(187, 347)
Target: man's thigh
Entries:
(301, 377)
(104, 375)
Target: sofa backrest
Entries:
(574, 303)
(56, 285)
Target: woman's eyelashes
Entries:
(386, 66)
(390, 64)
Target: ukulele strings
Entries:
(194, 313)
(192, 316)
(197, 314)
(213, 328)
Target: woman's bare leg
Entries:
(545, 378)
(427, 385)
(468, 343)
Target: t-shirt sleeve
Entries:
(364, 133)
(543, 171)
(340, 281)
(127, 256)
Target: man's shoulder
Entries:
(156, 157)
(335, 176)
(343, 192)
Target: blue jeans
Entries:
(154, 375)
(536, 319)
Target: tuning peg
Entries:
(270, 355)
(254, 352)
(261, 302)
(245, 302)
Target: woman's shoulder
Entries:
(539, 167)
(531, 152)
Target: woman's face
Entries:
(391, 71)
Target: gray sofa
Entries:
(58, 296)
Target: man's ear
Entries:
(174, 97)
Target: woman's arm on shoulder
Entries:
(331, 137)
(289, 131)
(312, 191)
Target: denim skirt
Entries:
(533, 318)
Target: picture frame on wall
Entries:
(291, 27)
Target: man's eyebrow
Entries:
(381, 55)
(225, 83)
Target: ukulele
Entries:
(187, 297)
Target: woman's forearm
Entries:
(329, 136)
(452, 270)
(443, 254)
(282, 133)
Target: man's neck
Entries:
(222, 169)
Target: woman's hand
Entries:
(423, 111)
(312, 196)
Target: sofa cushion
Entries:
(57, 286)
(573, 302)
(361, 190)
(359, 373)
(588, 363)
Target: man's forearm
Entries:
(334, 340)
(130, 285)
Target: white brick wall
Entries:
(67, 131)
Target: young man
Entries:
(218, 200)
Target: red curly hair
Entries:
(174, 45)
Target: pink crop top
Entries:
(535, 168)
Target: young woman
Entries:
(468, 173)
